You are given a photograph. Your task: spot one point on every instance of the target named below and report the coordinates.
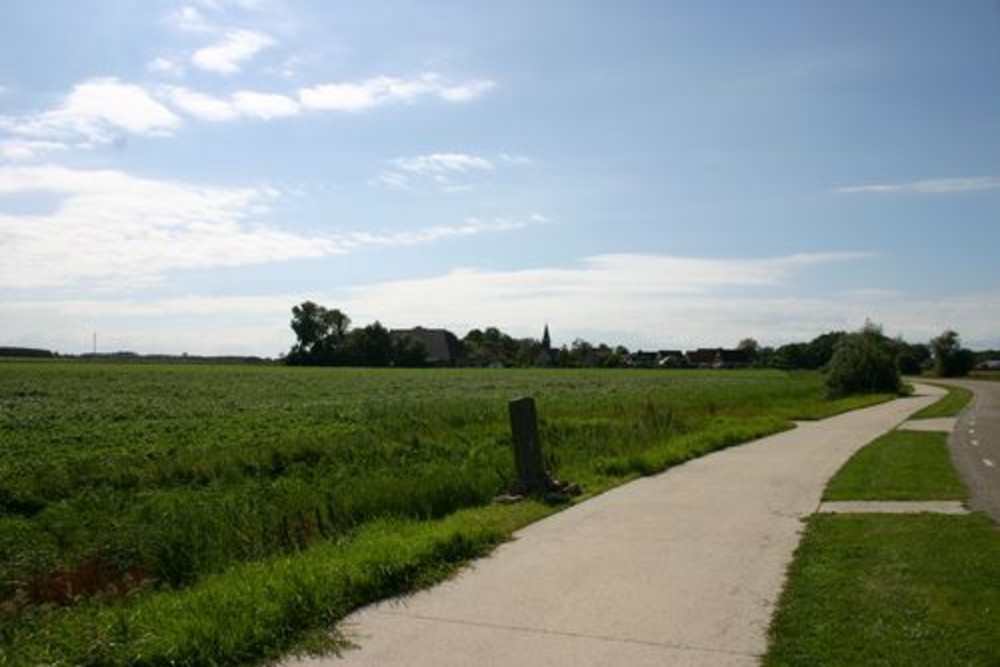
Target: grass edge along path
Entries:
(254, 611)
(900, 465)
(950, 405)
(880, 589)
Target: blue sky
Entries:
(176, 175)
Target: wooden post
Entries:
(527, 447)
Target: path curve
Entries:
(683, 568)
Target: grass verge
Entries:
(891, 590)
(254, 611)
(949, 405)
(900, 465)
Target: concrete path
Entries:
(892, 507)
(679, 569)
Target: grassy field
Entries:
(901, 465)
(949, 406)
(183, 494)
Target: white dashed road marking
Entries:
(975, 443)
(988, 463)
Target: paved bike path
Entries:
(683, 568)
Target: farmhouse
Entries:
(717, 358)
(441, 345)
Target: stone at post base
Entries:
(532, 479)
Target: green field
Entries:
(125, 488)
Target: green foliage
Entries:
(950, 358)
(324, 338)
(862, 363)
(891, 590)
(901, 465)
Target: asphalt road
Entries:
(975, 446)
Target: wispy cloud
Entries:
(100, 111)
(243, 103)
(167, 66)
(95, 112)
(229, 54)
(381, 90)
(14, 150)
(932, 186)
(444, 170)
(113, 229)
(638, 299)
(265, 105)
(189, 18)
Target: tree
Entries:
(751, 348)
(319, 332)
(862, 363)
(950, 358)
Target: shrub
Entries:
(950, 358)
(862, 364)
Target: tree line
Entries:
(325, 337)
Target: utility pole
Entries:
(95, 343)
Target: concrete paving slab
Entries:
(679, 569)
(936, 425)
(892, 507)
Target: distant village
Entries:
(325, 337)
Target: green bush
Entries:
(950, 358)
(862, 364)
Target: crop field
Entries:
(137, 501)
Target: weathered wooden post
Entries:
(531, 474)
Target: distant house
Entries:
(640, 359)
(717, 358)
(442, 346)
(989, 365)
(671, 359)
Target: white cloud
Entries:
(435, 164)
(94, 112)
(933, 186)
(228, 55)
(161, 65)
(241, 104)
(189, 19)
(265, 105)
(28, 149)
(440, 169)
(117, 230)
(200, 105)
(382, 90)
(639, 300)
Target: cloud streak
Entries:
(379, 91)
(100, 111)
(940, 186)
(109, 228)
